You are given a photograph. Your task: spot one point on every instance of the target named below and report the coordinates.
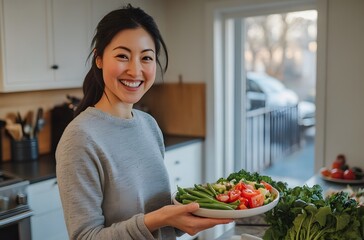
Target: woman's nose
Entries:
(134, 68)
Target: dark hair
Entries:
(121, 19)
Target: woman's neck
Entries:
(118, 109)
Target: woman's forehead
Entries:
(136, 38)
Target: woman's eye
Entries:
(147, 58)
(122, 56)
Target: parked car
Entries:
(263, 90)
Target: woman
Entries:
(112, 179)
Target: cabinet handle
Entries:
(54, 67)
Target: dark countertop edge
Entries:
(34, 171)
(45, 167)
(172, 142)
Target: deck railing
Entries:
(271, 133)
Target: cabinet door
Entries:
(72, 36)
(44, 43)
(48, 220)
(24, 41)
(184, 165)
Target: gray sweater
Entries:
(110, 172)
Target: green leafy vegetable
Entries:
(303, 214)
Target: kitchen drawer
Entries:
(44, 196)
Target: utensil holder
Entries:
(24, 150)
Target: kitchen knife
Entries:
(39, 122)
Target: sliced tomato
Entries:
(266, 185)
(243, 201)
(241, 186)
(256, 201)
(248, 193)
(223, 197)
(242, 206)
(234, 195)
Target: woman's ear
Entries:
(98, 62)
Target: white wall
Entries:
(345, 81)
(185, 39)
(155, 8)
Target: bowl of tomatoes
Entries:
(341, 172)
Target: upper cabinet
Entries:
(44, 43)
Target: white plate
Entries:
(212, 213)
(346, 181)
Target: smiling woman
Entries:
(110, 159)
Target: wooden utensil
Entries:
(15, 130)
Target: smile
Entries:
(132, 84)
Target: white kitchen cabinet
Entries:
(44, 43)
(47, 221)
(184, 166)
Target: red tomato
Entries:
(325, 172)
(256, 201)
(337, 173)
(234, 195)
(266, 185)
(222, 197)
(242, 206)
(337, 164)
(248, 193)
(244, 203)
(349, 174)
(241, 186)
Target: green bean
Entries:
(211, 189)
(203, 189)
(187, 201)
(215, 206)
(204, 200)
(181, 190)
(218, 206)
(198, 193)
(188, 197)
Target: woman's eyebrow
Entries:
(148, 49)
(129, 50)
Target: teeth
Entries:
(133, 84)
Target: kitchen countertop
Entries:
(45, 167)
(258, 229)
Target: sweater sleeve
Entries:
(80, 180)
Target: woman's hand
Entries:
(181, 217)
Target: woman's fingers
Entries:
(191, 207)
